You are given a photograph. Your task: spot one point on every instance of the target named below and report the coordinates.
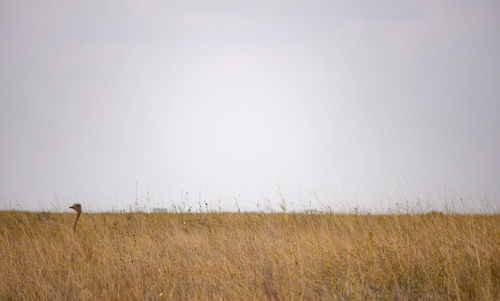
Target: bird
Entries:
(78, 208)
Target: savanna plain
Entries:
(249, 256)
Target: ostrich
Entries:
(78, 208)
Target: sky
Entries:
(250, 104)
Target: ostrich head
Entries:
(77, 207)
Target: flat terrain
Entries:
(251, 256)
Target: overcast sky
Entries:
(326, 103)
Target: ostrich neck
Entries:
(76, 219)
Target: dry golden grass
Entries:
(249, 256)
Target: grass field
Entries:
(250, 256)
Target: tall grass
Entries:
(252, 256)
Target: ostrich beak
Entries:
(72, 207)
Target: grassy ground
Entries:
(249, 256)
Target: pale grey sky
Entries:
(351, 103)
